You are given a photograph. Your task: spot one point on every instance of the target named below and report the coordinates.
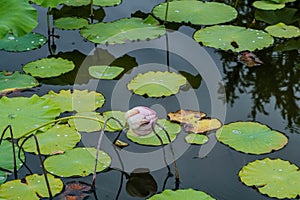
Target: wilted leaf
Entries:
(76, 190)
(186, 116)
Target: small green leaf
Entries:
(157, 84)
(283, 31)
(77, 162)
(6, 155)
(268, 5)
(47, 3)
(16, 81)
(275, 178)
(105, 72)
(196, 138)
(70, 23)
(112, 125)
(95, 2)
(251, 137)
(87, 125)
(181, 194)
(3, 177)
(49, 67)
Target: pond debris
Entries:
(250, 59)
(76, 190)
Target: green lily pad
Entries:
(181, 194)
(19, 112)
(251, 137)
(16, 81)
(70, 23)
(47, 3)
(3, 177)
(120, 31)
(49, 67)
(283, 1)
(55, 140)
(193, 138)
(151, 139)
(34, 188)
(95, 2)
(285, 15)
(77, 162)
(24, 43)
(275, 178)
(196, 12)
(283, 31)
(78, 100)
(105, 72)
(17, 17)
(157, 84)
(87, 125)
(112, 125)
(268, 5)
(235, 38)
(6, 155)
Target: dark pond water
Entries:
(268, 94)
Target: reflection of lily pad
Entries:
(156, 84)
(275, 178)
(193, 138)
(123, 30)
(70, 23)
(251, 137)
(49, 67)
(289, 45)
(80, 101)
(283, 31)
(20, 112)
(17, 17)
(34, 188)
(235, 38)
(16, 81)
(55, 140)
(151, 139)
(181, 194)
(268, 5)
(25, 43)
(285, 15)
(77, 162)
(105, 72)
(196, 12)
(95, 2)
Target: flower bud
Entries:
(140, 120)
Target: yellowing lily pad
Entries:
(49, 67)
(123, 30)
(235, 38)
(151, 139)
(196, 12)
(70, 23)
(157, 84)
(268, 5)
(77, 162)
(283, 31)
(24, 43)
(193, 138)
(34, 188)
(181, 194)
(251, 137)
(57, 139)
(19, 112)
(105, 72)
(275, 178)
(78, 100)
(16, 81)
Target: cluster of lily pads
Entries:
(58, 136)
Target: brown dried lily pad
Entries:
(76, 191)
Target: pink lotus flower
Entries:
(140, 120)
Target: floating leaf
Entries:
(17, 17)
(87, 125)
(49, 67)
(77, 162)
(24, 43)
(120, 31)
(193, 138)
(275, 178)
(34, 188)
(6, 155)
(251, 137)
(19, 112)
(47, 3)
(16, 81)
(181, 194)
(79, 100)
(225, 36)
(59, 138)
(151, 139)
(285, 15)
(3, 177)
(156, 84)
(283, 1)
(283, 31)
(196, 12)
(186, 116)
(70, 23)
(105, 72)
(112, 125)
(268, 5)
(95, 2)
